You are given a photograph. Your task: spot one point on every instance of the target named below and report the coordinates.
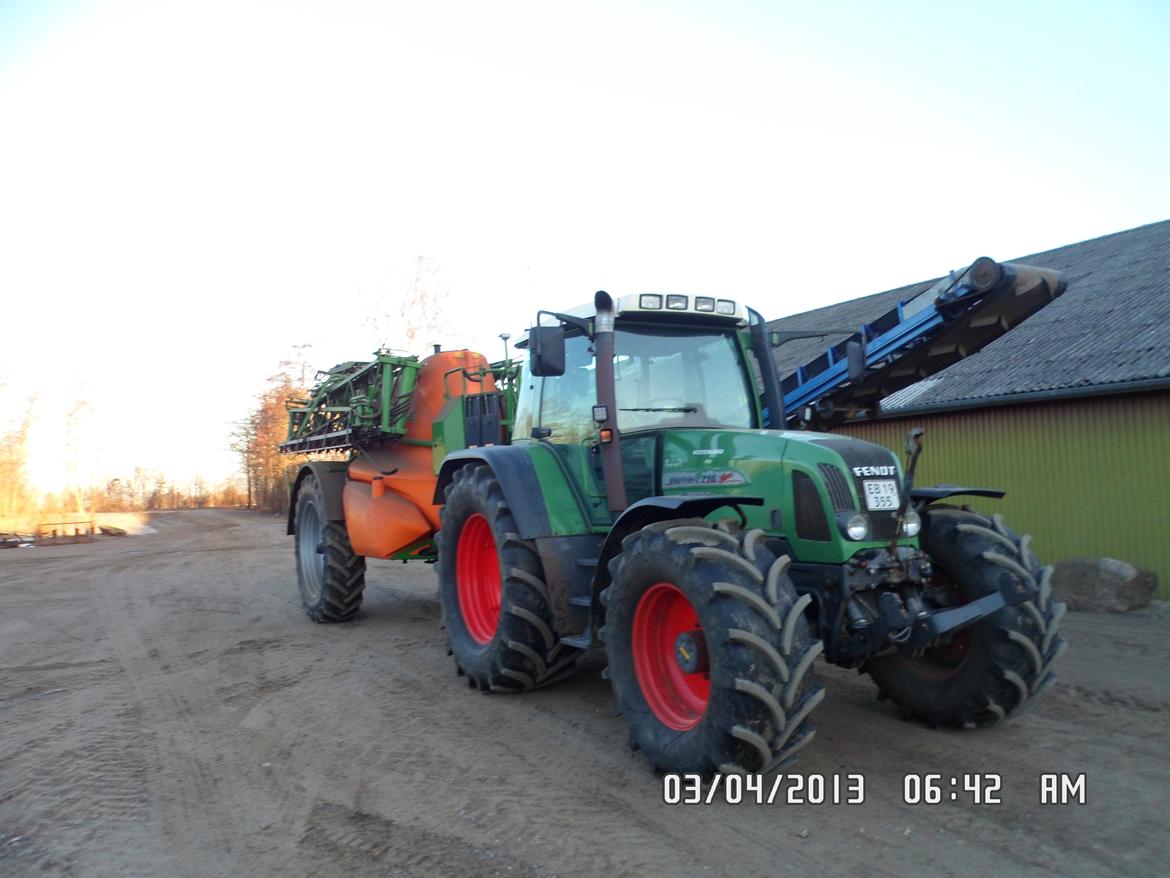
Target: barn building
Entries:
(1069, 412)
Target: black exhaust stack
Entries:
(610, 439)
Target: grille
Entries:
(811, 522)
(854, 453)
(838, 487)
(882, 525)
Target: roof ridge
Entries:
(1097, 239)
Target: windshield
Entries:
(680, 378)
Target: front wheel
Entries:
(710, 655)
(990, 670)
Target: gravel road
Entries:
(166, 709)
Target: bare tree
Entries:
(412, 319)
(72, 495)
(158, 494)
(297, 367)
(243, 444)
(17, 500)
(200, 495)
(426, 306)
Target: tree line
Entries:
(24, 505)
(262, 483)
(148, 490)
(411, 319)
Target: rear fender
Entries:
(513, 469)
(331, 475)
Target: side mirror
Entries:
(855, 357)
(546, 351)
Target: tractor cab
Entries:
(673, 369)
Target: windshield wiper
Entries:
(689, 408)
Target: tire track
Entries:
(87, 773)
(189, 802)
(340, 835)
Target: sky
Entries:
(189, 190)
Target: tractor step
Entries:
(584, 640)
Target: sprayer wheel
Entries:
(330, 576)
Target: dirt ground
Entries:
(166, 709)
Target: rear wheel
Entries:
(993, 669)
(330, 576)
(495, 602)
(709, 652)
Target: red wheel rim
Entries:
(477, 578)
(677, 698)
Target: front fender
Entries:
(926, 496)
(648, 511)
(331, 475)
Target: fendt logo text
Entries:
(874, 471)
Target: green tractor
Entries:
(634, 490)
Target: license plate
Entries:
(881, 494)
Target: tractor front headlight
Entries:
(911, 524)
(857, 527)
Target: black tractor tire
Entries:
(995, 668)
(505, 639)
(330, 576)
(754, 715)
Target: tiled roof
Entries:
(1111, 328)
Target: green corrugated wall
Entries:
(1086, 477)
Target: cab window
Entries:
(680, 378)
(566, 401)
